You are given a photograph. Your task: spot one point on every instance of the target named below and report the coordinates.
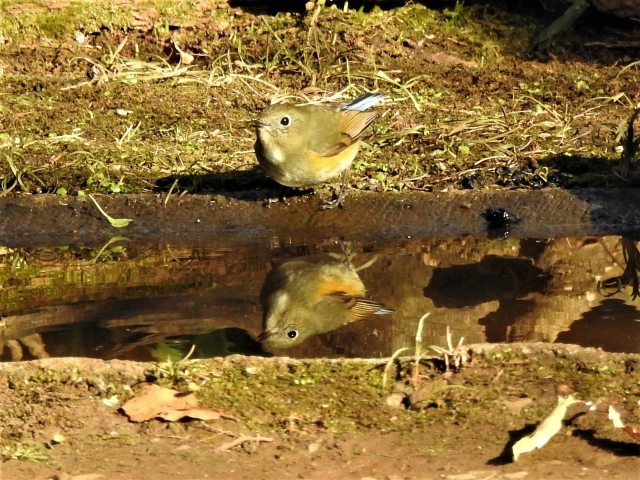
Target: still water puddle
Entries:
(141, 302)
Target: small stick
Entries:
(240, 440)
(218, 430)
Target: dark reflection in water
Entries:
(138, 302)
(505, 280)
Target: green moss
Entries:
(311, 392)
(36, 20)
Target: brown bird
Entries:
(301, 145)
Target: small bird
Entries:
(310, 295)
(301, 145)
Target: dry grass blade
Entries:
(542, 129)
(452, 356)
(240, 440)
(389, 364)
(628, 67)
(404, 87)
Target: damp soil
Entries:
(34, 221)
(150, 103)
(325, 418)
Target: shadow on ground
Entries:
(249, 185)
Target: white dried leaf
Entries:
(546, 430)
(614, 416)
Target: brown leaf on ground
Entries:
(633, 433)
(195, 413)
(154, 401)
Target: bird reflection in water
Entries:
(311, 295)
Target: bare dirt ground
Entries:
(324, 419)
(156, 98)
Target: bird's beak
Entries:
(264, 335)
(257, 124)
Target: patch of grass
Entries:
(35, 19)
(177, 370)
(120, 113)
(456, 14)
(24, 452)
(39, 19)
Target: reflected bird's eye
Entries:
(292, 334)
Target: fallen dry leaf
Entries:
(154, 401)
(547, 429)
(632, 432)
(195, 413)
(185, 57)
(615, 418)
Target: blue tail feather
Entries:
(365, 102)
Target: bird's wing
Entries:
(340, 286)
(359, 308)
(352, 124)
(363, 308)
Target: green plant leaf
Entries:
(115, 222)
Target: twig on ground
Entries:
(240, 440)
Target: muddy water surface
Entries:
(135, 300)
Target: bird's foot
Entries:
(336, 201)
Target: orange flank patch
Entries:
(329, 165)
(342, 286)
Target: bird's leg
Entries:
(341, 192)
(348, 251)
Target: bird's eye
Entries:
(292, 334)
(284, 121)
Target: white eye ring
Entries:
(292, 334)
(285, 121)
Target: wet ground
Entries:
(170, 281)
(189, 275)
(49, 220)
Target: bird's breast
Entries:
(268, 149)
